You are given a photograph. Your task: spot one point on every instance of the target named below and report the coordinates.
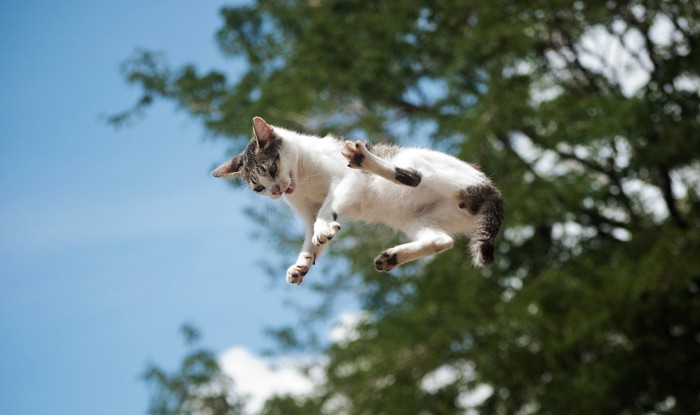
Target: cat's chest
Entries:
(307, 199)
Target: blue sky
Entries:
(111, 239)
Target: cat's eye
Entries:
(273, 170)
(259, 188)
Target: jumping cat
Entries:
(427, 195)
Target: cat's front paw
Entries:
(324, 235)
(296, 273)
(386, 261)
(355, 153)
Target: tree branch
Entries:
(667, 191)
(596, 217)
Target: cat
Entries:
(428, 195)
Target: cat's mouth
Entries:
(291, 187)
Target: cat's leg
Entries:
(309, 251)
(324, 231)
(320, 227)
(325, 226)
(359, 157)
(469, 188)
(445, 175)
(307, 258)
(427, 242)
(341, 201)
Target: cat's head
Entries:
(262, 164)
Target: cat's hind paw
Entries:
(325, 235)
(355, 153)
(386, 261)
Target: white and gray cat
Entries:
(427, 195)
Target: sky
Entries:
(111, 239)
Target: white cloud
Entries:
(687, 83)
(345, 330)
(617, 52)
(442, 376)
(448, 374)
(649, 196)
(620, 58)
(260, 378)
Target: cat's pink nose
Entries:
(276, 190)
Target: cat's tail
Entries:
(489, 213)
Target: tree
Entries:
(585, 113)
(198, 387)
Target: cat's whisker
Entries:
(268, 207)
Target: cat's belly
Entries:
(410, 210)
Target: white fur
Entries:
(324, 185)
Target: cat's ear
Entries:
(262, 132)
(231, 168)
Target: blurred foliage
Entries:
(586, 114)
(199, 386)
